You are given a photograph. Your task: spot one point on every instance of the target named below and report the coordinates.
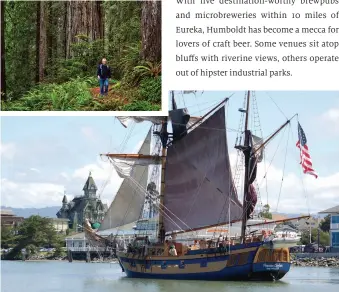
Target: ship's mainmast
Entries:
(247, 152)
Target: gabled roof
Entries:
(330, 210)
(90, 184)
(79, 205)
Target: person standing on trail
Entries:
(104, 73)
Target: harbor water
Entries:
(60, 276)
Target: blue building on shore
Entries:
(334, 227)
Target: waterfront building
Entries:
(9, 219)
(334, 227)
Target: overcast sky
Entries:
(43, 156)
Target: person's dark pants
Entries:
(103, 86)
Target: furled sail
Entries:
(128, 202)
(251, 196)
(155, 120)
(257, 142)
(251, 201)
(179, 118)
(198, 178)
(189, 91)
(125, 165)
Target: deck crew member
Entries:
(173, 251)
(202, 244)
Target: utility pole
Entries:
(310, 233)
(318, 239)
(318, 234)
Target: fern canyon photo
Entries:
(81, 55)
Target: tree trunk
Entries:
(37, 41)
(68, 26)
(3, 70)
(84, 19)
(50, 32)
(41, 40)
(151, 30)
(63, 25)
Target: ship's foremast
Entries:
(164, 138)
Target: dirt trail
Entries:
(109, 98)
(95, 91)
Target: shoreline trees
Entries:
(32, 234)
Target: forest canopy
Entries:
(51, 51)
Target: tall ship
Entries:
(180, 197)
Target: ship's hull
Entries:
(244, 262)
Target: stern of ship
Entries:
(270, 263)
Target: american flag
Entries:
(306, 161)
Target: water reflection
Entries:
(82, 277)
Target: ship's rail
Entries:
(89, 248)
(162, 250)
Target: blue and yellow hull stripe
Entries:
(242, 262)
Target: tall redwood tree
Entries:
(3, 71)
(151, 30)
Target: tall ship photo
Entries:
(183, 212)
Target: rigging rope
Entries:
(203, 103)
(183, 99)
(205, 109)
(257, 124)
(277, 105)
(162, 205)
(143, 191)
(282, 179)
(105, 182)
(135, 190)
(151, 197)
(122, 145)
(272, 158)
